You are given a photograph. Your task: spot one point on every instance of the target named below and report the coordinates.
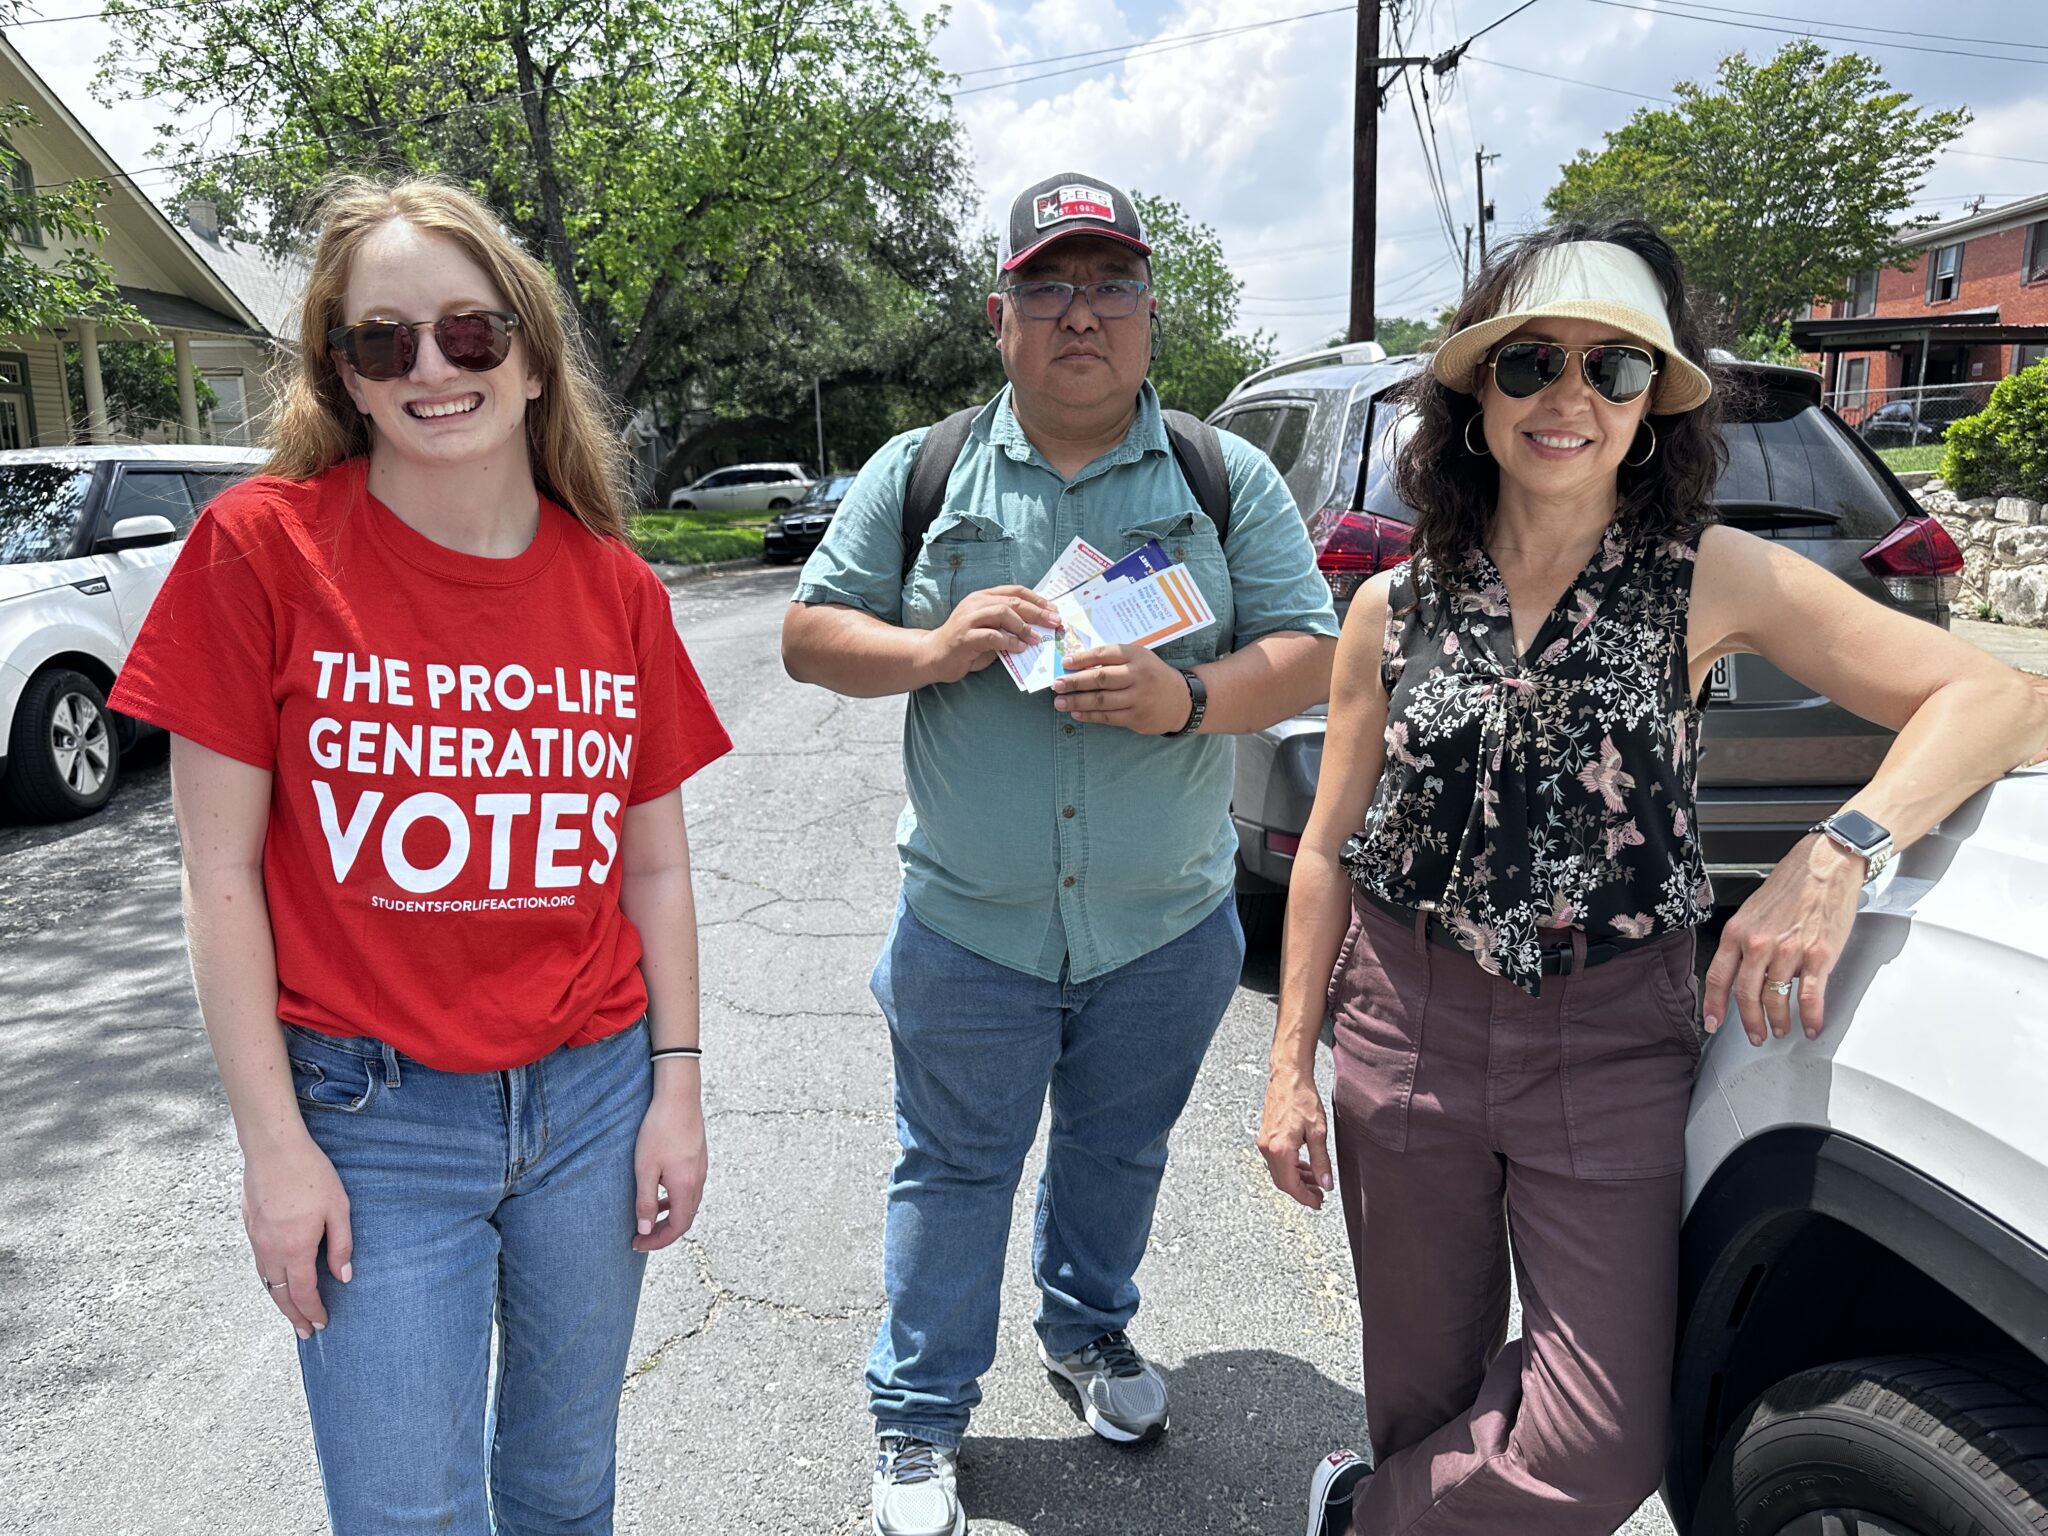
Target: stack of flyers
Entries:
(1143, 599)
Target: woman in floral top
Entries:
(1496, 894)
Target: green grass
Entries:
(1905, 460)
(695, 546)
(708, 518)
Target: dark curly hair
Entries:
(1453, 491)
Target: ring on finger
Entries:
(1782, 988)
(274, 1285)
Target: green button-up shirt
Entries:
(1032, 840)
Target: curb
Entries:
(671, 574)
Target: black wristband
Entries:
(691, 1052)
(1198, 705)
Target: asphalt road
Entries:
(149, 1387)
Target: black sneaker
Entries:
(1337, 1478)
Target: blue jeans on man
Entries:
(978, 1048)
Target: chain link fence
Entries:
(1911, 416)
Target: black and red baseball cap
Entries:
(1067, 204)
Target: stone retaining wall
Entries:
(2004, 540)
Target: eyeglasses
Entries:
(1116, 299)
(476, 340)
(1618, 374)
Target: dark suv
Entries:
(1775, 758)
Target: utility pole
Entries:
(1365, 156)
(1466, 285)
(1480, 160)
(818, 407)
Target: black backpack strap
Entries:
(1199, 452)
(930, 467)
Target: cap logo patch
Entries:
(1073, 202)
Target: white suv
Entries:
(1863, 1317)
(743, 487)
(86, 535)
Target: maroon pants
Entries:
(1478, 1126)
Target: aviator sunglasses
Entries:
(1618, 374)
(476, 340)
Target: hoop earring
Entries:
(1477, 453)
(1639, 463)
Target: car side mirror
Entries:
(142, 532)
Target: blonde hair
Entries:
(577, 459)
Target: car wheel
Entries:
(685, 505)
(1904, 1445)
(779, 504)
(64, 757)
(1260, 914)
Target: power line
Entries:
(1125, 48)
(1591, 85)
(1832, 37)
(1859, 26)
(133, 10)
(1511, 15)
(1149, 49)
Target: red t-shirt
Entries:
(452, 742)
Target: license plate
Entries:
(1721, 681)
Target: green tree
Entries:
(35, 296)
(140, 379)
(1400, 337)
(726, 191)
(1201, 352)
(1777, 184)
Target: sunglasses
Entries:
(1618, 374)
(476, 340)
(1116, 299)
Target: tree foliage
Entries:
(739, 199)
(1401, 337)
(140, 382)
(37, 294)
(1776, 184)
(1201, 352)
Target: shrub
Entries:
(2003, 449)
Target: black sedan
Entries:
(794, 533)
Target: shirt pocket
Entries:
(1189, 539)
(963, 553)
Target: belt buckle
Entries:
(1557, 961)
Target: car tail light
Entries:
(1350, 546)
(1917, 561)
(1282, 842)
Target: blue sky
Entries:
(1252, 133)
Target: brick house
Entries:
(1971, 309)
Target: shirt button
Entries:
(1068, 727)
(1066, 810)
(1068, 881)
(1180, 551)
(954, 561)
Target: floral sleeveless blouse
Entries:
(1552, 788)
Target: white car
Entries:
(743, 487)
(86, 536)
(1863, 1314)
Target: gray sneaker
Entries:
(914, 1490)
(1122, 1394)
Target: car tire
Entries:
(1942, 1446)
(1261, 914)
(64, 752)
(685, 505)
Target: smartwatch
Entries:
(1198, 705)
(1861, 836)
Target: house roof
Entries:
(1980, 327)
(129, 212)
(175, 312)
(1990, 221)
(270, 285)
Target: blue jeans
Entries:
(977, 1045)
(475, 1198)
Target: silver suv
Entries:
(1775, 757)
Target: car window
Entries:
(1290, 434)
(149, 493)
(834, 489)
(205, 484)
(1391, 428)
(717, 480)
(39, 510)
(1786, 452)
(1254, 424)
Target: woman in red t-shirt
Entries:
(430, 717)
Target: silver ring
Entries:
(274, 1285)
(1783, 988)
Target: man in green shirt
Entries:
(1066, 924)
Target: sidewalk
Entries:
(2014, 644)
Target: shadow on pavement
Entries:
(1248, 1429)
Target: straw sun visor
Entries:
(1584, 280)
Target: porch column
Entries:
(88, 334)
(188, 398)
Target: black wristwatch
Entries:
(1198, 705)
(1861, 836)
